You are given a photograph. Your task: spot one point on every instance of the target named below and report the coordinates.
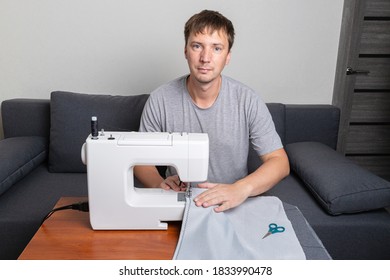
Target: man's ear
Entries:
(229, 56)
(185, 52)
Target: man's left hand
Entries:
(224, 195)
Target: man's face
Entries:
(207, 54)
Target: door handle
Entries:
(350, 71)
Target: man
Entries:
(232, 114)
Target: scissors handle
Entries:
(274, 228)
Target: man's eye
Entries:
(196, 46)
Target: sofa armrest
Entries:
(338, 184)
(18, 157)
(26, 117)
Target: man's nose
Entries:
(205, 55)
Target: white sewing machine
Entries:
(114, 202)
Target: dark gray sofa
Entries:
(40, 162)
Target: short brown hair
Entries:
(211, 20)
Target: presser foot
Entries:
(189, 191)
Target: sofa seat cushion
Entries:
(19, 156)
(338, 184)
(71, 123)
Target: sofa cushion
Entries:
(337, 183)
(19, 156)
(71, 123)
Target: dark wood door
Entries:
(362, 84)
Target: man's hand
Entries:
(149, 176)
(274, 168)
(174, 183)
(223, 195)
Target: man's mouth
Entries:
(204, 70)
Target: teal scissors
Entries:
(273, 228)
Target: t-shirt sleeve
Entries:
(151, 117)
(262, 132)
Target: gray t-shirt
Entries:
(237, 118)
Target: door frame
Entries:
(348, 54)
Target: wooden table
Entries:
(67, 234)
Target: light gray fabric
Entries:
(311, 244)
(237, 233)
(237, 117)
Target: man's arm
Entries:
(149, 177)
(274, 168)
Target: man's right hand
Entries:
(173, 183)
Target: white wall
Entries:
(284, 49)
